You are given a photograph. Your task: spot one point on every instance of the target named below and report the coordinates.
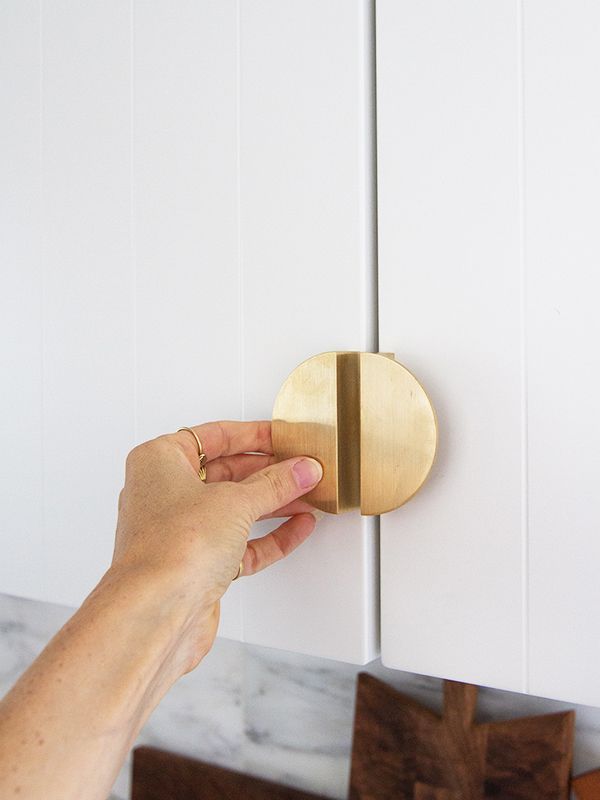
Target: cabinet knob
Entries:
(369, 422)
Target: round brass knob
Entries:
(369, 422)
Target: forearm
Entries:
(67, 724)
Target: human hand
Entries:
(189, 537)
(154, 614)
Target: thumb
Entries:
(279, 484)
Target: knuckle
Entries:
(134, 455)
(164, 440)
(278, 485)
(161, 443)
(142, 451)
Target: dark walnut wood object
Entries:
(587, 786)
(404, 751)
(159, 775)
(425, 792)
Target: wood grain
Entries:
(425, 792)
(160, 775)
(398, 743)
(587, 786)
(403, 750)
(530, 758)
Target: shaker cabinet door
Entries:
(308, 277)
(190, 215)
(66, 403)
(562, 286)
(488, 178)
(21, 529)
(184, 187)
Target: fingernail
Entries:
(317, 514)
(307, 472)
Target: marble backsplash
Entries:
(278, 715)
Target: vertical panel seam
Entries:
(376, 565)
(241, 316)
(525, 544)
(368, 190)
(370, 304)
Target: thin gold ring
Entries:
(240, 571)
(201, 453)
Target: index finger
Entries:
(230, 437)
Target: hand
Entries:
(189, 537)
(154, 614)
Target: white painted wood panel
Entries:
(185, 188)
(87, 289)
(207, 222)
(562, 181)
(450, 308)
(306, 202)
(20, 300)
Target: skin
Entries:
(68, 723)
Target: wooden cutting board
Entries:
(160, 775)
(587, 786)
(403, 750)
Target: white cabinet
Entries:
(489, 176)
(307, 281)
(189, 214)
(21, 530)
(562, 245)
(66, 398)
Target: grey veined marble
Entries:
(274, 714)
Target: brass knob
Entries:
(368, 421)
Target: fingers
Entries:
(228, 438)
(279, 484)
(236, 468)
(295, 507)
(278, 544)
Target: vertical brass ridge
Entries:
(348, 430)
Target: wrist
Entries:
(173, 622)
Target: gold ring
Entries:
(201, 453)
(239, 572)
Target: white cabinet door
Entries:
(307, 266)
(562, 272)
(66, 399)
(191, 215)
(489, 167)
(21, 532)
(253, 182)
(186, 270)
